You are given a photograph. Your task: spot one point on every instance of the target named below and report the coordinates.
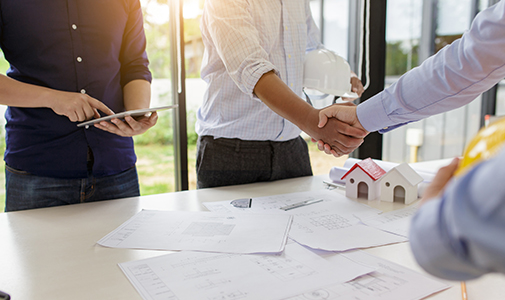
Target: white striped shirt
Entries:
(245, 39)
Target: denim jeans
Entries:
(27, 191)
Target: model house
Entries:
(362, 180)
(400, 184)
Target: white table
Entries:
(51, 253)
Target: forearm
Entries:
(137, 94)
(18, 94)
(281, 99)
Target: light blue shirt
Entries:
(453, 77)
(244, 40)
(461, 235)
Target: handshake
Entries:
(339, 130)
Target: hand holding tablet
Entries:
(133, 113)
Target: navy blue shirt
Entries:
(88, 46)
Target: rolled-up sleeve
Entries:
(462, 235)
(134, 61)
(237, 42)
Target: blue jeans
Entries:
(26, 191)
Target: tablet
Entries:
(133, 113)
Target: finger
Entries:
(320, 145)
(322, 119)
(94, 103)
(79, 114)
(349, 130)
(440, 180)
(124, 127)
(133, 124)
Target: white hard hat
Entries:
(327, 72)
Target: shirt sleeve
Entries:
(237, 42)
(133, 57)
(461, 235)
(453, 77)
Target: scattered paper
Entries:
(332, 224)
(390, 281)
(199, 275)
(396, 221)
(202, 231)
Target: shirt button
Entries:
(291, 84)
(286, 27)
(289, 55)
(79, 59)
(74, 27)
(83, 91)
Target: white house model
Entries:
(361, 181)
(400, 184)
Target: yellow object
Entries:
(484, 145)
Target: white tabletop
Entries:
(51, 253)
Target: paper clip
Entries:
(300, 204)
(242, 203)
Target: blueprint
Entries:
(332, 224)
(202, 231)
(390, 281)
(218, 276)
(396, 221)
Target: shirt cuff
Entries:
(371, 114)
(255, 74)
(373, 117)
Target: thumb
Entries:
(323, 119)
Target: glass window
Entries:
(454, 17)
(403, 32)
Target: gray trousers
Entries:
(222, 161)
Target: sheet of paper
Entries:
(200, 275)
(202, 231)
(271, 204)
(396, 221)
(332, 224)
(390, 281)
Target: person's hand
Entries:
(356, 87)
(130, 126)
(437, 185)
(346, 114)
(76, 106)
(340, 137)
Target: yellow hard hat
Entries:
(488, 141)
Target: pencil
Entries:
(464, 295)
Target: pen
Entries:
(300, 204)
(333, 184)
(464, 295)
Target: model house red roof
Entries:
(369, 167)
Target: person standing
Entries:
(253, 111)
(70, 60)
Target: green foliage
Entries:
(156, 188)
(397, 58)
(162, 132)
(4, 65)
